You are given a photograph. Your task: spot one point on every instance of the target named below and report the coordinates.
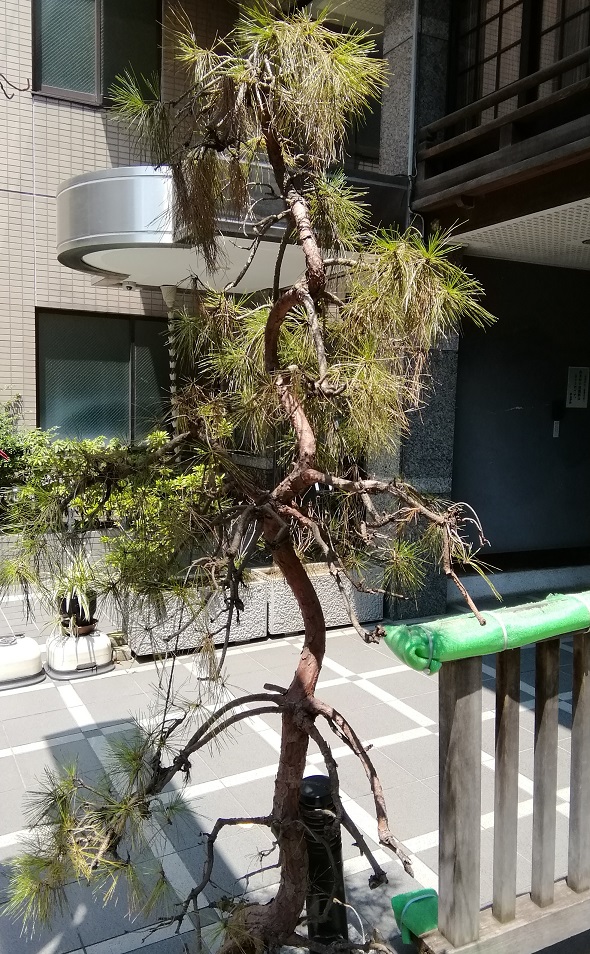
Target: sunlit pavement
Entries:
(389, 705)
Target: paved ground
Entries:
(391, 706)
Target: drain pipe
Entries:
(169, 293)
(412, 112)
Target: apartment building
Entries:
(505, 159)
(484, 126)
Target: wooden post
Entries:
(578, 877)
(506, 784)
(459, 799)
(545, 777)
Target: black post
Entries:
(326, 878)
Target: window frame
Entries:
(132, 357)
(98, 98)
(530, 40)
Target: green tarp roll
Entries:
(428, 645)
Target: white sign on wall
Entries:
(578, 380)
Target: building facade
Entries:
(505, 162)
(484, 127)
(51, 316)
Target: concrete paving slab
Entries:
(398, 708)
(32, 728)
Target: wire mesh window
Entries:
(496, 42)
(565, 29)
(488, 39)
(101, 376)
(81, 46)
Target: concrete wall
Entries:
(44, 141)
(415, 45)
(416, 49)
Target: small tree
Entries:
(322, 371)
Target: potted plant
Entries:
(76, 597)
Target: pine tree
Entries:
(324, 372)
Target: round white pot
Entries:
(20, 662)
(72, 657)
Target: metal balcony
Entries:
(118, 224)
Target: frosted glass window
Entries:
(81, 46)
(84, 386)
(102, 376)
(151, 377)
(65, 33)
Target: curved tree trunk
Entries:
(273, 923)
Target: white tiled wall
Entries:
(43, 142)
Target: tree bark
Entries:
(273, 923)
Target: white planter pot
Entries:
(20, 662)
(71, 657)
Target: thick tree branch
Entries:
(279, 311)
(306, 443)
(316, 333)
(335, 566)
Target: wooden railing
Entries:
(453, 159)
(553, 910)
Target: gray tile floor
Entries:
(392, 707)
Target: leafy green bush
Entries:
(22, 448)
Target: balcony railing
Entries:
(551, 131)
(119, 224)
(553, 910)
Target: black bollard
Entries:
(326, 878)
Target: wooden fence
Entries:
(554, 910)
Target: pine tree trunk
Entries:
(274, 923)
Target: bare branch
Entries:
(193, 896)
(239, 717)
(205, 731)
(344, 731)
(379, 876)
(276, 285)
(449, 571)
(253, 249)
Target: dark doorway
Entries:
(530, 488)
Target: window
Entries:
(498, 41)
(364, 138)
(81, 46)
(565, 29)
(488, 44)
(101, 376)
